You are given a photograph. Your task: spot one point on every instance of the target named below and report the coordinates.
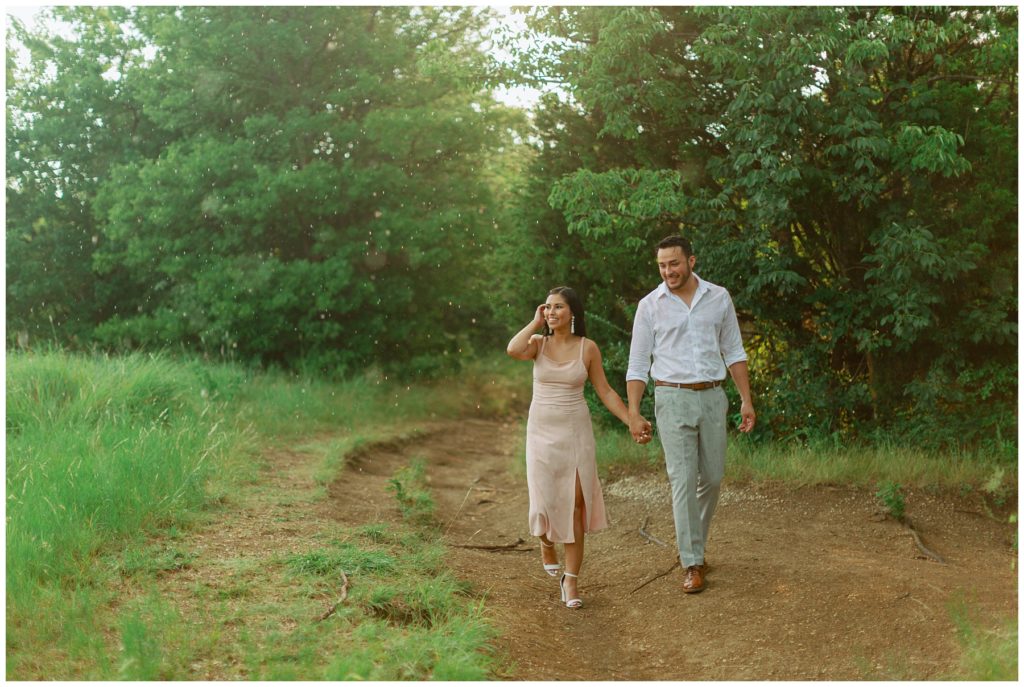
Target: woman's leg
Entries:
(574, 551)
(548, 555)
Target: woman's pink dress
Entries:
(560, 445)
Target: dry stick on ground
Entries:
(648, 537)
(344, 595)
(920, 544)
(674, 566)
(458, 512)
(496, 547)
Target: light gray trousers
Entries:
(692, 428)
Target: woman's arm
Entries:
(609, 397)
(523, 345)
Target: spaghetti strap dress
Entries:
(559, 446)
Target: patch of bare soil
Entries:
(807, 583)
(804, 583)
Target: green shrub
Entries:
(891, 497)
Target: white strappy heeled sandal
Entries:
(550, 568)
(569, 603)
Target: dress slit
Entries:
(585, 515)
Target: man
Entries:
(689, 327)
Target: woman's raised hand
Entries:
(540, 316)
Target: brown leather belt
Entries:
(699, 386)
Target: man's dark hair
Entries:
(575, 306)
(673, 242)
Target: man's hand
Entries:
(640, 428)
(748, 415)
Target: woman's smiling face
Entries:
(558, 313)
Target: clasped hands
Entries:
(640, 428)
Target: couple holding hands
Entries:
(688, 328)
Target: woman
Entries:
(561, 471)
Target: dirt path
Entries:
(805, 584)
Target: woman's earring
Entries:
(572, 325)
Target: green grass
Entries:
(798, 464)
(825, 462)
(153, 638)
(284, 407)
(616, 449)
(345, 557)
(103, 451)
(865, 466)
(111, 459)
(410, 489)
(988, 654)
(406, 617)
(988, 650)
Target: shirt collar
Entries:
(702, 286)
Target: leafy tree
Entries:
(848, 173)
(68, 122)
(316, 194)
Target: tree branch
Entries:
(344, 595)
(659, 575)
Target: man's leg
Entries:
(677, 412)
(711, 449)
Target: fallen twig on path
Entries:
(468, 492)
(496, 547)
(920, 544)
(344, 595)
(674, 566)
(648, 537)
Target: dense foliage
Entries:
(848, 173)
(285, 184)
(335, 186)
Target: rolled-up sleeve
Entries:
(642, 344)
(730, 342)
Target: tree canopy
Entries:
(337, 187)
(290, 184)
(848, 173)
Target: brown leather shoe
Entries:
(694, 580)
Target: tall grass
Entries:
(802, 465)
(862, 465)
(100, 449)
(104, 451)
(616, 450)
(826, 462)
(283, 406)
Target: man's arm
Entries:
(634, 392)
(731, 345)
(640, 347)
(741, 379)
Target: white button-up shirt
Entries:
(689, 344)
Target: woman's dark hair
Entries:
(675, 242)
(575, 305)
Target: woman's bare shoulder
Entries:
(590, 350)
